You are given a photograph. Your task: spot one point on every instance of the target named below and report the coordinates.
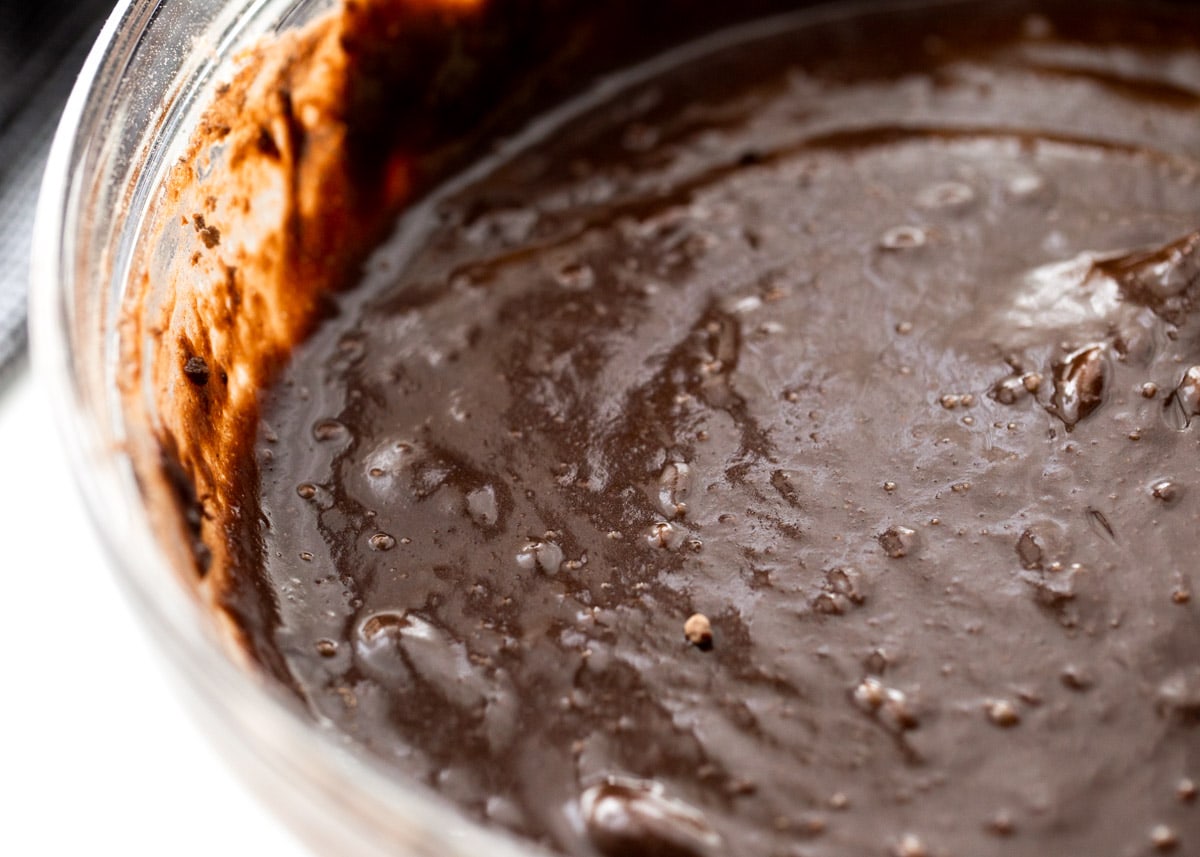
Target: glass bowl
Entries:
(152, 72)
(141, 90)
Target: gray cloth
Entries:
(42, 48)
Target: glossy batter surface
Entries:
(881, 360)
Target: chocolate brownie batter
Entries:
(788, 448)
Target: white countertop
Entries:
(97, 756)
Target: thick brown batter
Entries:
(880, 357)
